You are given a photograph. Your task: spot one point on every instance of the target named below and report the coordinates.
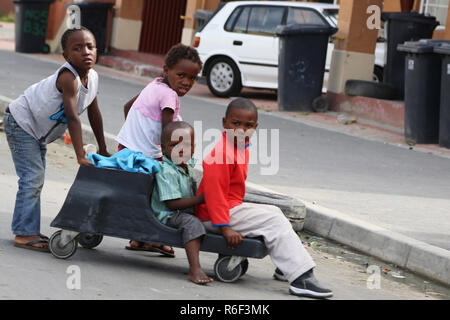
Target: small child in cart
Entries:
(174, 195)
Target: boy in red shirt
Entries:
(223, 186)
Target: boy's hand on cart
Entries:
(234, 238)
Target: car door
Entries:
(253, 42)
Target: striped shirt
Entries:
(172, 182)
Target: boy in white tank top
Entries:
(40, 116)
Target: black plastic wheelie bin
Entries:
(422, 90)
(301, 64)
(94, 16)
(444, 113)
(401, 27)
(31, 25)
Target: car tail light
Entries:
(196, 42)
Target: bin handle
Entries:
(185, 18)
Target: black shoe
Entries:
(278, 275)
(307, 286)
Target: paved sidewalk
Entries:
(352, 217)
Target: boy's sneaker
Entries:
(278, 275)
(307, 286)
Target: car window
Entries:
(232, 19)
(242, 20)
(264, 19)
(304, 16)
(332, 14)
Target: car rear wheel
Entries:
(223, 78)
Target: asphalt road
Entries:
(399, 189)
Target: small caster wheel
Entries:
(222, 272)
(244, 265)
(61, 252)
(89, 240)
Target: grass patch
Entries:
(7, 18)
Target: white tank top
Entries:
(39, 111)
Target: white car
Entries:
(238, 45)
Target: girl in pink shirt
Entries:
(158, 104)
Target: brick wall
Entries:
(6, 7)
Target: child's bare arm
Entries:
(128, 105)
(96, 121)
(68, 85)
(184, 203)
(167, 116)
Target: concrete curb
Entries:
(420, 257)
(392, 247)
(417, 256)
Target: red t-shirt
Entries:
(223, 182)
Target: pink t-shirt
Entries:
(141, 131)
(155, 97)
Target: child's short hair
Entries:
(172, 126)
(179, 52)
(241, 103)
(66, 35)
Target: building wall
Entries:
(6, 7)
(126, 20)
(127, 24)
(189, 21)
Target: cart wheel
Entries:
(89, 240)
(244, 265)
(220, 269)
(61, 252)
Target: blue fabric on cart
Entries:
(127, 160)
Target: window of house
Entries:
(304, 16)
